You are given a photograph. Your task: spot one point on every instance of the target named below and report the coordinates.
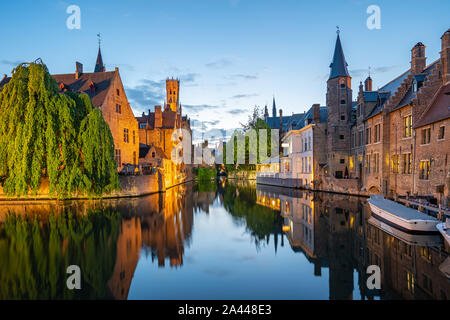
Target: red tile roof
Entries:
(101, 80)
(438, 109)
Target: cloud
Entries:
(11, 63)
(237, 111)
(242, 76)
(199, 108)
(378, 70)
(147, 94)
(220, 63)
(242, 96)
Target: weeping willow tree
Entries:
(48, 134)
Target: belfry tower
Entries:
(339, 103)
(173, 95)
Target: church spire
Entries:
(99, 66)
(339, 65)
(274, 108)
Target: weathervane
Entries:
(99, 39)
(369, 71)
(338, 31)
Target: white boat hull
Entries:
(419, 226)
(444, 232)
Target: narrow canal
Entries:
(214, 241)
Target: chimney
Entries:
(445, 56)
(418, 59)
(78, 70)
(316, 113)
(368, 84)
(158, 117)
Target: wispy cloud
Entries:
(11, 63)
(237, 111)
(378, 70)
(199, 108)
(147, 94)
(242, 76)
(243, 96)
(220, 63)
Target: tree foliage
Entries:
(46, 133)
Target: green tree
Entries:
(43, 133)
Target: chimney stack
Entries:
(418, 59)
(445, 56)
(316, 113)
(78, 70)
(158, 117)
(368, 84)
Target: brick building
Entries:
(108, 94)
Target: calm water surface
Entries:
(215, 241)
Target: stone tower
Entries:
(418, 59)
(173, 94)
(339, 103)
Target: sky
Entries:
(230, 55)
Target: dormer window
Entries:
(92, 87)
(415, 86)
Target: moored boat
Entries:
(444, 229)
(403, 218)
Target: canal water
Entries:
(223, 240)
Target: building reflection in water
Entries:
(109, 237)
(337, 232)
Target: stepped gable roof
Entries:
(339, 65)
(382, 98)
(410, 95)
(438, 109)
(101, 81)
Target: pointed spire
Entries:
(339, 65)
(99, 66)
(274, 108)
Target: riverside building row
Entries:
(392, 141)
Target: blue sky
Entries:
(229, 54)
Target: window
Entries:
(342, 161)
(343, 117)
(407, 163)
(353, 140)
(118, 108)
(368, 135)
(361, 138)
(407, 126)
(410, 281)
(377, 133)
(342, 101)
(426, 136)
(134, 137)
(153, 154)
(368, 163)
(376, 162)
(395, 163)
(118, 92)
(424, 169)
(126, 138)
(441, 134)
(342, 85)
(341, 137)
(142, 125)
(117, 157)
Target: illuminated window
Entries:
(407, 126)
(410, 281)
(424, 170)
